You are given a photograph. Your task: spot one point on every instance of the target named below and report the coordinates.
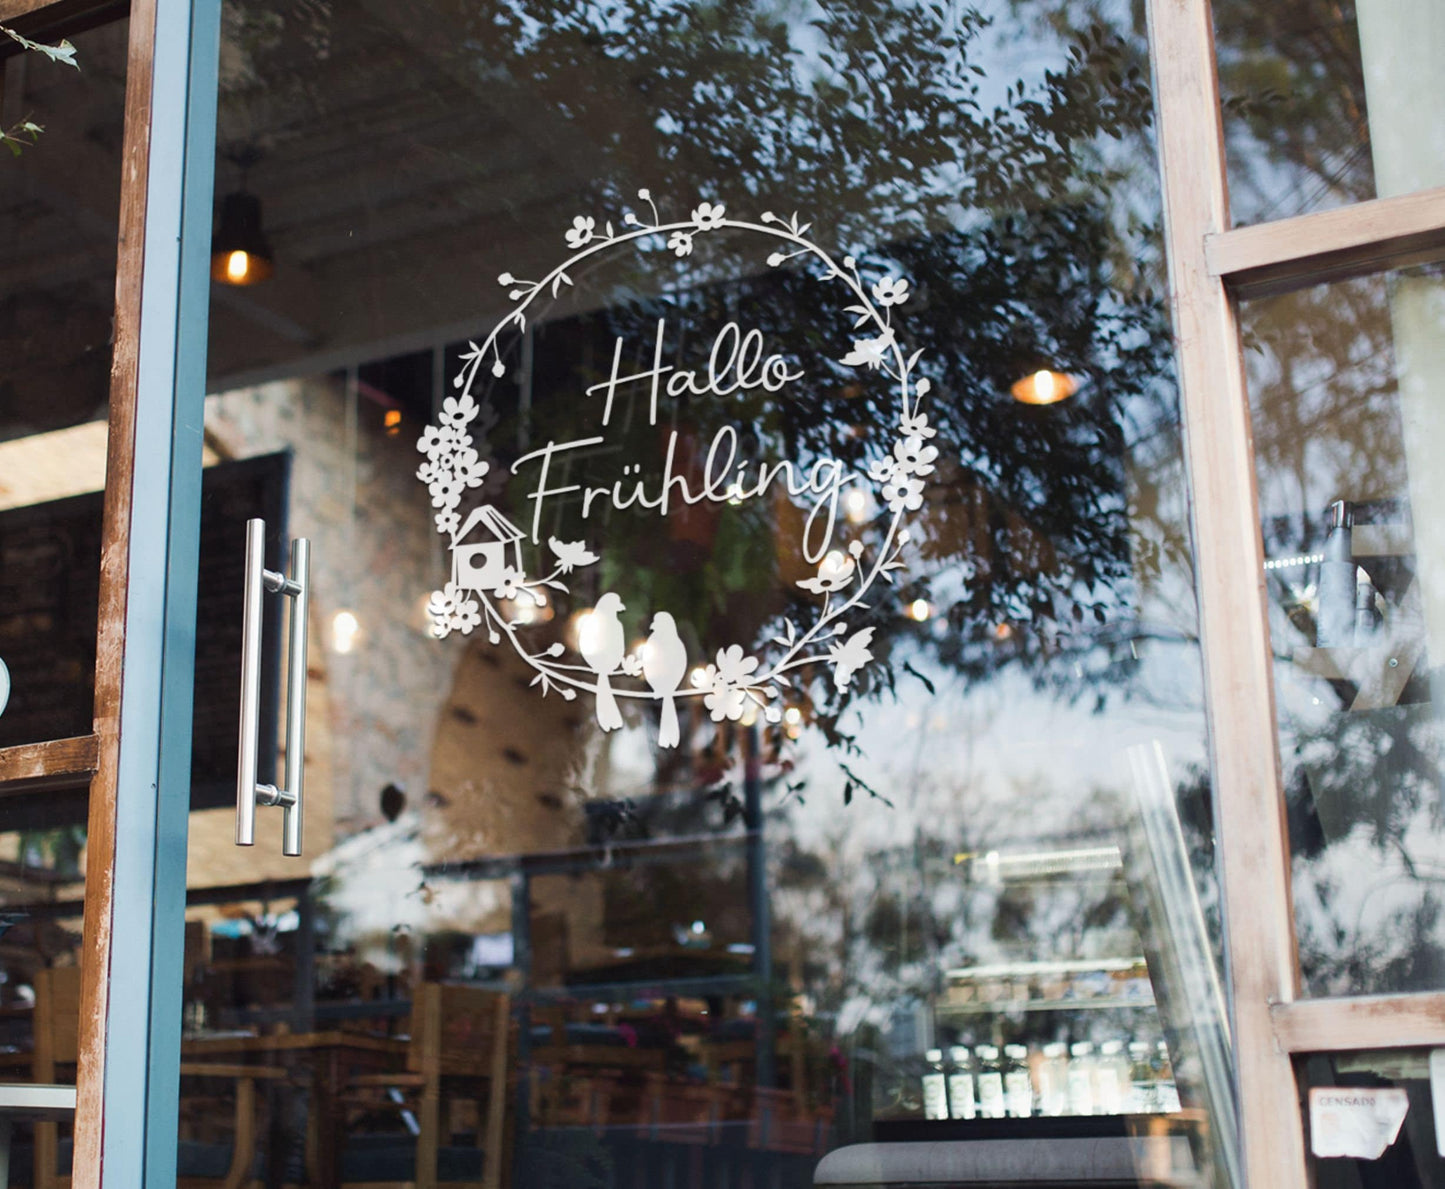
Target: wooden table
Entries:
(326, 1059)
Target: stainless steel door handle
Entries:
(259, 582)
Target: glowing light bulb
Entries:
(238, 265)
(919, 610)
(392, 421)
(345, 630)
(1044, 387)
(698, 677)
(855, 505)
(792, 716)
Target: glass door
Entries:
(754, 706)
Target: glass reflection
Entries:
(1322, 102)
(1343, 378)
(966, 836)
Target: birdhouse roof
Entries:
(499, 526)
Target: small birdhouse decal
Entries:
(480, 564)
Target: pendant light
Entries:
(240, 253)
(1044, 387)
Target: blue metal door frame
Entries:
(143, 1024)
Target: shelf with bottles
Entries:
(1013, 987)
(986, 1081)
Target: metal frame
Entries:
(140, 752)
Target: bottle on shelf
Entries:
(1018, 1084)
(1143, 1096)
(961, 1098)
(1054, 1080)
(1111, 1078)
(1167, 1090)
(1081, 1078)
(935, 1087)
(991, 1103)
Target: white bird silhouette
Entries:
(664, 663)
(602, 645)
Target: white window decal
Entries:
(4, 686)
(490, 553)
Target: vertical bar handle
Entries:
(297, 587)
(296, 695)
(248, 737)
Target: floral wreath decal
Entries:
(485, 576)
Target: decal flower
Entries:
(708, 216)
(448, 521)
(913, 457)
(904, 493)
(872, 352)
(438, 442)
(890, 291)
(468, 468)
(834, 573)
(446, 491)
(452, 610)
(457, 411)
(467, 616)
(681, 243)
(882, 470)
(509, 582)
(916, 426)
(581, 232)
(726, 683)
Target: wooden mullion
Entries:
(114, 581)
(1364, 1022)
(34, 765)
(1234, 626)
(1330, 245)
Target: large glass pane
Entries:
(60, 170)
(1326, 102)
(756, 704)
(1345, 383)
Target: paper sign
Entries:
(1358, 1122)
(1437, 1096)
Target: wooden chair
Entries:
(57, 1050)
(458, 1042)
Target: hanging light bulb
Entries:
(1044, 387)
(240, 252)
